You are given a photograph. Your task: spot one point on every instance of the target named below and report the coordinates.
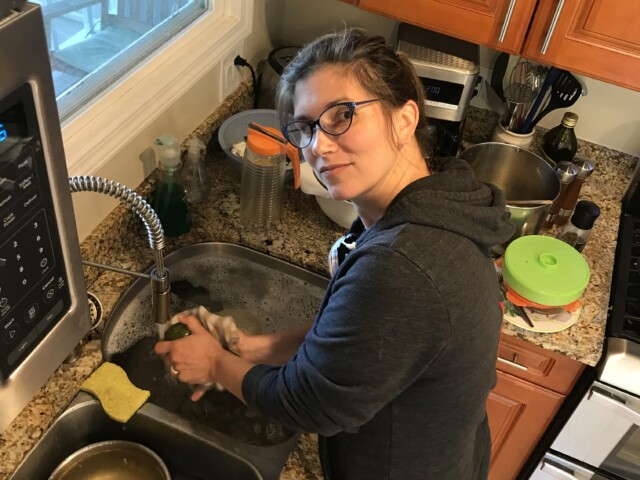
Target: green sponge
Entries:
(120, 399)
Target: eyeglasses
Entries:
(334, 120)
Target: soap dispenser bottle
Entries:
(194, 176)
(169, 199)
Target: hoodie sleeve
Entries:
(382, 326)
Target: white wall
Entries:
(609, 115)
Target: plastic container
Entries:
(262, 184)
(545, 270)
(194, 177)
(169, 199)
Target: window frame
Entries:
(96, 131)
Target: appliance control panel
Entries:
(34, 294)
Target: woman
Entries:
(396, 368)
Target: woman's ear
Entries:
(405, 122)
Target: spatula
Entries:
(565, 91)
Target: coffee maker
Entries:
(448, 68)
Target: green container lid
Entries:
(545, 270)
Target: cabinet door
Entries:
(598, 38)
(519, 413)
(501, 24)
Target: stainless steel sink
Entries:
(263, 294)
(187, 453)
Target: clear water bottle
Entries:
(262, 184)
(194, 175)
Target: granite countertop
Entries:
(304, 238)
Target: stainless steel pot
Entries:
(530, 184)
(112, 459)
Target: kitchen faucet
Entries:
(159, 276)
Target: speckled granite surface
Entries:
(584, 340)
(304, 238)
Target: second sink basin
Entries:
(188, 455)
(262, 293)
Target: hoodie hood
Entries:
(452, 199)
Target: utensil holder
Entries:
(501, 134)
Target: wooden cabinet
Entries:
(597, 38)
(532, 384)
(478, 21)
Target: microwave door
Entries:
(601, 429)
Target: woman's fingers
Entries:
(198, 394)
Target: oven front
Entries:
(601, 439)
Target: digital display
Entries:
(13, 127)
(441, 91)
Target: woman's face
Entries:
(354, 165)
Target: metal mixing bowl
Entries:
(112, 459)
(523, 176)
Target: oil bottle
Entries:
(560, 143)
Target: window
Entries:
(106, 108)
(94, 42)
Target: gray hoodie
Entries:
(396, 369)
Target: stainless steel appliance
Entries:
(44, 311)
(277, 60)
(601, 438)
(448, 68)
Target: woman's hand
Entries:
(200, 359)
(193, 357)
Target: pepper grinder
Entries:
(566, 172)
(585, 168)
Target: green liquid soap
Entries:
(169, 199)
(170, 204)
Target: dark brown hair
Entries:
(388, 75)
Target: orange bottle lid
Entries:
(262, 145)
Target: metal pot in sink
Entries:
(530, 184)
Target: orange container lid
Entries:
(262, 145)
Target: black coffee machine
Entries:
(448, 68)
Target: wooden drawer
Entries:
(537, 365)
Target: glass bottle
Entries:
(560, 143)
(194, 176)
(576, 233)
(169, 198)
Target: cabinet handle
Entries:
(507, 20)
(512, 363)
(552, 27)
